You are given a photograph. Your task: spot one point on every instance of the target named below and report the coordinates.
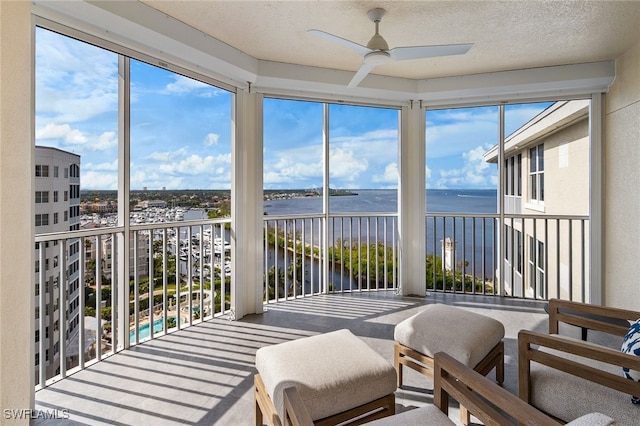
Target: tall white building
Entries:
(57, 209)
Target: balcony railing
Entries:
(357, 253)
(179, 273)
(542, 256)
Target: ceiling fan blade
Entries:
(360, 49)
(421, 52)
(365, 68)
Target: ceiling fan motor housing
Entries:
(376, 58)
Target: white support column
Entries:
(17, 292)
(246, 205)
(596, 214)
(411, 201)
(123, 241)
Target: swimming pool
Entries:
(144, 331)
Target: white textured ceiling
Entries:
(507, 35)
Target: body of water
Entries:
(386, 201)
(472, 238)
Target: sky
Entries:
(181, 130)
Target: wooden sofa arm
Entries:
(490, 403)
(530, 343)
(614, 321)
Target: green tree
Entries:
(171, 322)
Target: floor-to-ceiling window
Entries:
(76, 182)
(550, 203)
(461, 194)
(114, 135)
(337, 164)
(540, 190)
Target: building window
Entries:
(37, 266)
(519, 176)
(55, 171)
(42, 170)
(66, 195)
(37, 336)
(509, 244)
(536, 173)
(66, 173)
(536, 267)
(513, 176)
(42, 219)
(55, 196)
(66, 215)
(55, 218)
(42, 197)
(517, 243)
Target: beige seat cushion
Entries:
(594, 419)
(568, 397)
(466, 336)
(429, 415)
(333, 372)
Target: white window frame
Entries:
(536, 175)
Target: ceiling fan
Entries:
(377, 51)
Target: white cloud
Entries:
(390, 174)
(186, 85)
(167, 156)
(451, 132)
(344, 165)
(63, 132)
(211, 139)
(195, 165)
(474, 173)
(290, 170)
(53, 131)
(98, 180)
(107, 166)
(75, 81)
(72, 136)
(106, 141)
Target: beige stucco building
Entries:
(547, 176)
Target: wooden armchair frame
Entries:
(591, 317)
(490, 403)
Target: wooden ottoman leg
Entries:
(264, 405)
(396, 362)
(500, 364)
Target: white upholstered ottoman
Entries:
(338, 377)
(473, 339)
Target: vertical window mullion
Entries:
(120, 330)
